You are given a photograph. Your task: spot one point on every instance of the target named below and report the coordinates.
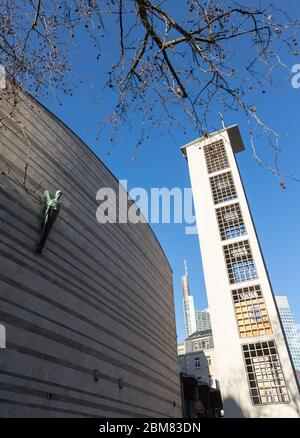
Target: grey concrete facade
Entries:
(90, 325)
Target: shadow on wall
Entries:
(233, 403)
(199, 400)
(230, 405)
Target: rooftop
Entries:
(233, 134)
(200, 334)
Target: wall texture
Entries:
(99, 297)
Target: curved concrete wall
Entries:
(99, 297)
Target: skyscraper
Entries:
(188, 305)
(257, 378)
(194, 320)
(290, 329)
(202, 320)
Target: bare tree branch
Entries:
(190, 57)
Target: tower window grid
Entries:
(239, 262)
(230, 220)
(215, 156)
(251, 312)
(222, 187)
(265, 376)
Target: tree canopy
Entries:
(189, 55)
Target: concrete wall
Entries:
(99, 297)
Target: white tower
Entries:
(256, 375)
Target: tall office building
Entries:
(257, 378)
(202, 320)
(290, 329)
(188, 305)
(194, 320)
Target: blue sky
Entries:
(159, 163)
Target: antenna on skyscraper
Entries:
(222, 120)
(185, 267)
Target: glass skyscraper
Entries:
(202, 320)
(188, 306)
(290, 329)
(194, 320)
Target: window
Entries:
(239, 252)
(208, 360)
(246, 293)
(239, 262)
(264, 372)
(230, 221)
(197, 362)
(215, 156)
(222, 187)
(250, 311)
(255, 314)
